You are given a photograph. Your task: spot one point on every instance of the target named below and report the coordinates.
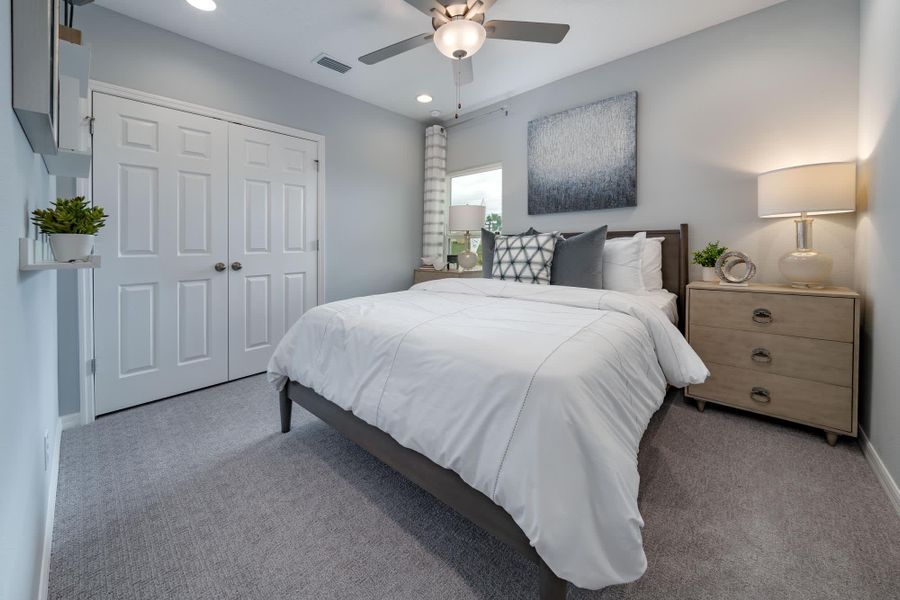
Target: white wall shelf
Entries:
(35, 255)
(68, 163)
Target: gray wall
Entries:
(27, 352)
(68, 352)
(878, 242)
(374, 158)
(772, 89)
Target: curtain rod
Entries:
(504, 109)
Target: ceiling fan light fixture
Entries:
(460, 38)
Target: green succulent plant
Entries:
(708, 256)
(70, 215)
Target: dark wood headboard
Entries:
(674, 261)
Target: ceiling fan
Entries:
(460, 30)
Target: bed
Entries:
(477, 390)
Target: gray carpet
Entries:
(198, 497)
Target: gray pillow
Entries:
(487, 250)
(578, 260)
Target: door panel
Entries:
(138, 205)
(194, 327)
(273, 198)
(160, 308)
(137, 332)
(256, 217)
(294, 296)
(194, 213)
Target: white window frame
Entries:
(448, 185)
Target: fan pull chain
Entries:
(458, 87)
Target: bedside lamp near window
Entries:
(467, 218)
(799, 192)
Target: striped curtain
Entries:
(435, 191)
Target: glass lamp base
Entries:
(806, 268)
(467, 259)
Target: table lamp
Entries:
(467, 218)
(800, 192)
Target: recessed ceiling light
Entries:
(435, 113)
(206, 5)
(424, 98)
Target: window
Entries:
(481, 186)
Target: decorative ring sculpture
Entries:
(728, 261)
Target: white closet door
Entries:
(273, 224)
(160, 306)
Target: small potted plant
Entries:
(707, 258)
(71, 224)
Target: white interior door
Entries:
(273, 196)
(160, 306)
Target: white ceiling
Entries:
(288, 34)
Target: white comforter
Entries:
(535, 395)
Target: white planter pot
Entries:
(71, 246)
(709, 274)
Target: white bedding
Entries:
(664, 300)
(535, 395)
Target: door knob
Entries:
(237, 266)
(220, 266)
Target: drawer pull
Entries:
(762, 315)
(761, 355)
(761, 395)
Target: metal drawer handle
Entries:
(761, 395)
(762, 315)
(761, 355)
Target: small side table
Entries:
(420, 275)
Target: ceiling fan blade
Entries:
(426, 6)
(462, 71)
(395, 49)
(487, 4)
(526, 31)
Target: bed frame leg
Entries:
(286, 406)
(551, 586)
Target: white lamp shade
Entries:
(466, 218)
(813, 189)
(459, 38)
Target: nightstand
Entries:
(421, 275)
(781, 351)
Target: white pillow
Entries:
(622, 260)
(651, 264)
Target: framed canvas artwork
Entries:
(584, 158)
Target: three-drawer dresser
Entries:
(778, 350)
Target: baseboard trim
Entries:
(881, 472)
(70, 421)
(44, 585)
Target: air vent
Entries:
(330, 63)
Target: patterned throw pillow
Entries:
(487, 249)
(525, 258)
